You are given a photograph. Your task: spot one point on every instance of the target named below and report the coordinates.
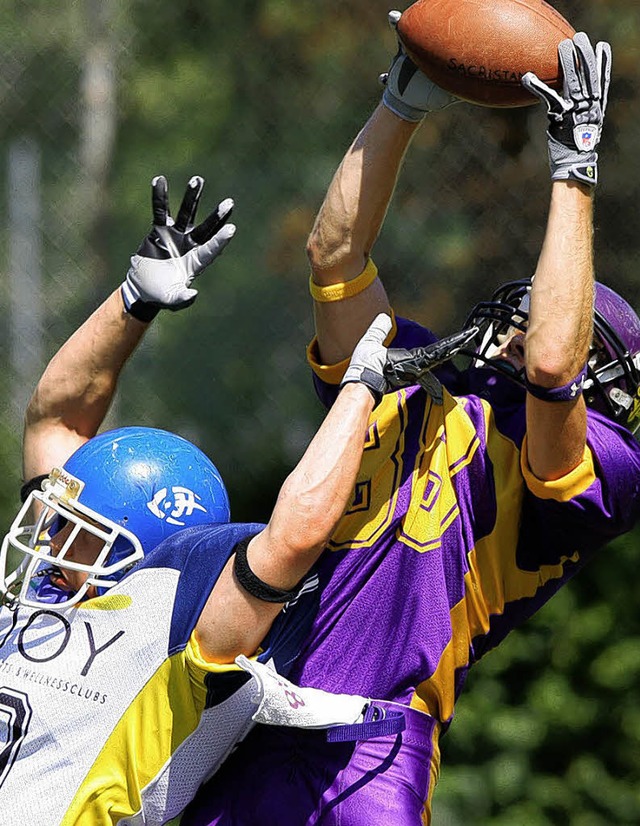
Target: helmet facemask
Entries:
(56, 506)
(497, 320)
(613, 371)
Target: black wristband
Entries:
(143, 311)
(31, 485)
(375, 383)
(253, 584)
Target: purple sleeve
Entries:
(567, 534)
(616, 455)
(609, 507)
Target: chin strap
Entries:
(31, 485)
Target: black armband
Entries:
(252, 584)
(31, 485)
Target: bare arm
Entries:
(356, 203)
(75, 392)
(560, 331)
(76, 389)
(562, 297)
(311, 502)
(309, 506)
(347, 226)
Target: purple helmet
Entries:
(614, 359)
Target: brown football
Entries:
(479, 49)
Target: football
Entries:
(479, 49)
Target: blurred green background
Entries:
(262, 97)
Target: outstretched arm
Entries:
(561, 313)
(347, 226)
(559, 332)
(75, 391)
(309, 506)
(74, 394)
(355, 206)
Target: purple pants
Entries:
(293, 777)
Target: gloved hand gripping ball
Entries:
(409, 93)
(576, 116)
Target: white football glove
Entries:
(174, 253)
(408, 92)
(369, 358)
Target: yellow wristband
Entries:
(346, 289)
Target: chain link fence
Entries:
(262, 99)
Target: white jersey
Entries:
(109, 714)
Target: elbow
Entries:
(43, 406)
(554, 370)
(67, 402)
(331, 254)
(310, 525)
(552, 362)
(323, 252)
(555, 352)
(315, 249)
(33, 413)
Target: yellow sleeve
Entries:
(567, 487)
(198, 667)
(196, 659)
(333, 373)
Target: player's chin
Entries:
(511, 367)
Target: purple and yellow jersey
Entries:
(109, 712)
(450, 542)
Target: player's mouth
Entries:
(58, 578)
(511, 369)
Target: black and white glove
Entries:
(369, 358)
(174, 253)
(408, 92)
(406, 367)
(576, 117)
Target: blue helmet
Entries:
(132, 488)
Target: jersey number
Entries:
(15, 714)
